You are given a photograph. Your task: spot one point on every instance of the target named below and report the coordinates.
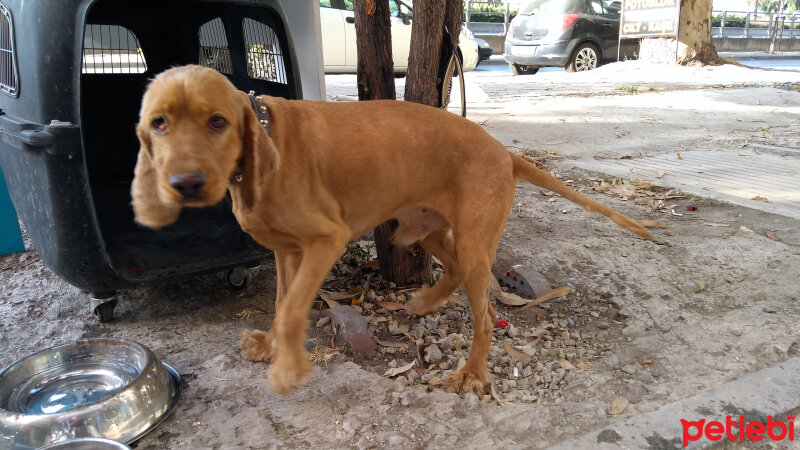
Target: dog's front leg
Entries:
(257, 344)
(290, 366)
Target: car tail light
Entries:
(569, 19)
(510, 32)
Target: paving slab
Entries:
(737, 177)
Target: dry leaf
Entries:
(646, 362)
(393, 372)
(555, 293)
(524, 358)
(759, 198)
(701, 285)
(332, 298)
(660, 174)
(390, 306)
(618, 405)
(772, 235)
(718, 225)
(678, 156)
(566, 364)
(581, 364)
(398, 328)
(497, 398)
(744, 228)
(510, 299)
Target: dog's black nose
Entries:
(188, 185)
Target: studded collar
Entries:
(262, 114)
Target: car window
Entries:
(597, 6)
(613, 8)
(554, 7)
(325, 3)
(348, 5)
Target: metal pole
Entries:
(747, 24)
(505, 19)
(722, 23)
(469, 4)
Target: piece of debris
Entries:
(555, 293)
(744, 228)
(393, 372)
(717, 225)
(524, 358)
(353, 328)
(676, 214)
(701, 285)
(691, 208)
(759, 198)
(618, 405)
(523, 281)
(772, 235)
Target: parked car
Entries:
(484, 50)
(575, 34)
(339, 37)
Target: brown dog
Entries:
(326, 173)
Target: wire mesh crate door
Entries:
(8, 63)
(214, 50)
(264, 57)
(111, 49)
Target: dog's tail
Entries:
(525, 170)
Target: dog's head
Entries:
(196, 131)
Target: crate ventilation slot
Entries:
(8, 62)
(111, 49)
(264, 57)
(214, 51)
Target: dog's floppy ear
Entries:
(259, 156)
(147, 208)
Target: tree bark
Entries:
(375, 73)
(694, 47)
(422, 80)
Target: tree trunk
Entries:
(426, 48)
(375, 73)
(695, 46)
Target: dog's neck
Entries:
(262, 114)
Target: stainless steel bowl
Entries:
(86, 444)
(108, 388)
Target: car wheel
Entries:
(585, 57)
(518, 69)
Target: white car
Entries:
(339, 37)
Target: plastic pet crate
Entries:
(70, 93)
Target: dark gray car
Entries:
(575, 34)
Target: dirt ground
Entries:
(713, 297)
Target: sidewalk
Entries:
(738, 56)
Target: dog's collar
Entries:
(262, 114)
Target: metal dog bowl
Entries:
(86, 444)
(107, 388)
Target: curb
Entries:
(773, 391)
(759, 55)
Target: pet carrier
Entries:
(71, 92)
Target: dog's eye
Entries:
(159, 125)
(217, 123)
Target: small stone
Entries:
(405, 398)
(497, 370)
(512, 331)
(471, 400)
(527, 371)
(736, 332)
(323, 321)
(539, 367)
(427, 377)
(770, 310)
(594, 314)
(603, 325)
(433, 354)
(505, 386)
(392, 297)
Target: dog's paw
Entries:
(423, 303)
(257, 345)
(287, 373)
(462, 382)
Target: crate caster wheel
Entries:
(239, 278)
(103, 308)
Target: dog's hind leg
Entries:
(473, 376)
(257, 344)
(432, 299)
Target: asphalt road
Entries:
(497, 64)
